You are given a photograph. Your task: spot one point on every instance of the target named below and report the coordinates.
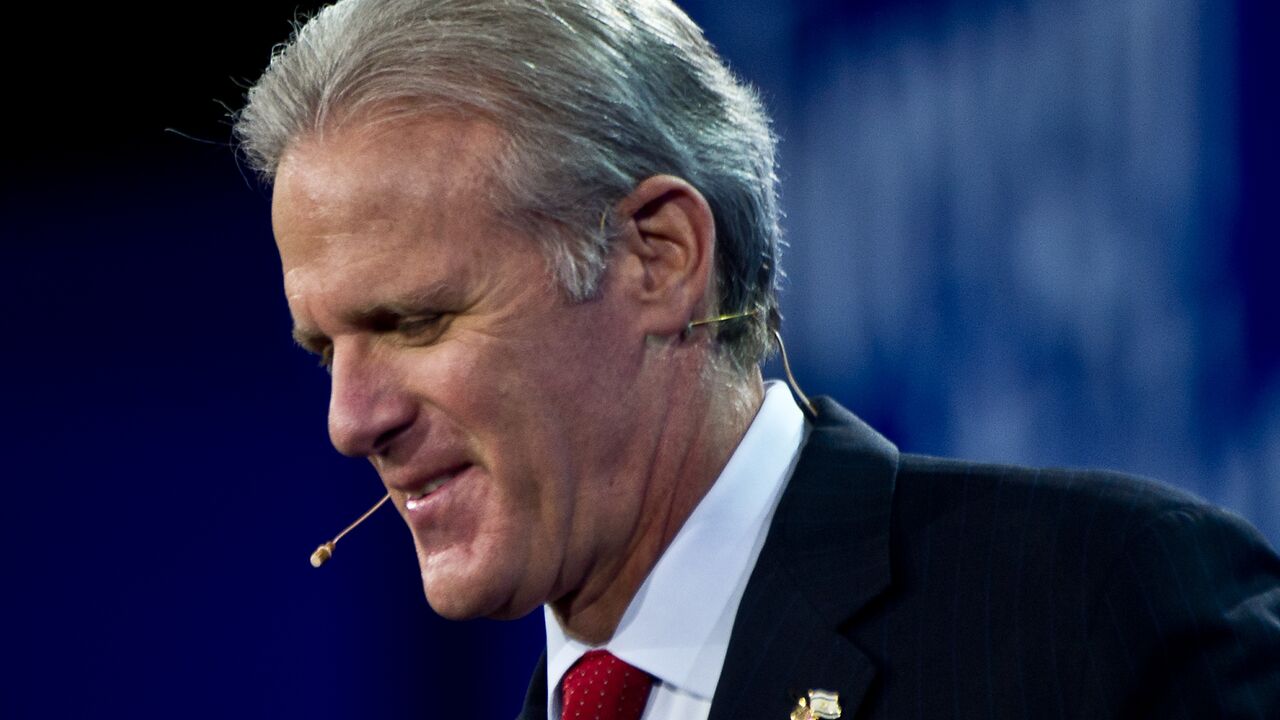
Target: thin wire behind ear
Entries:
(777, 337)
(791, 379)
(688, 329)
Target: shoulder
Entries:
(1126, 596)
(1068, 502)
(1161, 591)
(1068, 521)
(1053, 526)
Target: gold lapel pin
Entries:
(819, 705)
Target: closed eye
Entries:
(420, 329)
(411, 327)
(407, 327)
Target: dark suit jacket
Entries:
(917, 587)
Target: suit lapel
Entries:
(825, 558)
(535, 699)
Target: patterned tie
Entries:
(601, 687)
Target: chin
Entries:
(454, 603)
(458, 587)
(460, 600)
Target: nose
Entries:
(368, 407)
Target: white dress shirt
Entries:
(678, 625)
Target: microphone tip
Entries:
(322, 555)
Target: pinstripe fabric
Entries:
(926, 588)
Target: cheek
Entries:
(504, 384)
(544, 412)
(460, 378)
(494, 395)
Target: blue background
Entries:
(1035, 231)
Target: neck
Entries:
(695, 438)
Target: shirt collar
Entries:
(677, 627)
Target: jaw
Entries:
(490, 565)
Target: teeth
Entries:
(428, 489)
(434, 485)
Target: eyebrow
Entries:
(309, 340)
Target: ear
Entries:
(668, 236)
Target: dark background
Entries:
(1032, 231)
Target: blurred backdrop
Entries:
(1033, 231)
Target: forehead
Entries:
(410, 173)
(369, 168)
(379, 205)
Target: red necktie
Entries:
(601, 687)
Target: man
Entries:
(536, 245)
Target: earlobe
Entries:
(669, 238)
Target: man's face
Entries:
(496, 412)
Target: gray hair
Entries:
(594, 96)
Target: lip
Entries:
(418, 507)
(408, 484)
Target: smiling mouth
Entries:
(418, 498)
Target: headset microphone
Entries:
(325, 551)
